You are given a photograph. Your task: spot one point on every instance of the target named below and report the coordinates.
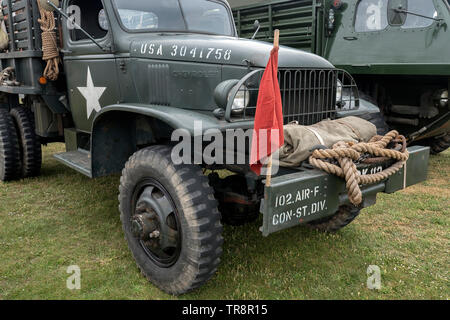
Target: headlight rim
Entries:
(222, 92)
(235, 91)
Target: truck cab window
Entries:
(137, 19)
(195, 16)
(424, 8)
(209, 16)
(89, 13)
(371, 15)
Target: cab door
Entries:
(90, 70)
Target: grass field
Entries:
(62, 219)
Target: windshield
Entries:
(420, 7)
(203, 16)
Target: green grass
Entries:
(62, 219)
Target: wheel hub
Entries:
(155, 224)
(143, 225)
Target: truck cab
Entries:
(163, 65)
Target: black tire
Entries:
(195, 228)
(30, 146)
(341, 219)
(9, 148)
(439, 145)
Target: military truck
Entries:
(395, 50)
(136, 72)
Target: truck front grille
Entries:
(308, 95)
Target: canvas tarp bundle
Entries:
(299, 140)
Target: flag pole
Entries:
(276, 44)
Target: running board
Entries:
(79, 160)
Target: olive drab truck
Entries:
(395, 49)
(116, 79)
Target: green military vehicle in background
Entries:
(397, 51)
(134, 72)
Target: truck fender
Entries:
(118, 131)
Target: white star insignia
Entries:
(92, 95)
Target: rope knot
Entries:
(347, 153)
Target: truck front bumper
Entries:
(308, 195)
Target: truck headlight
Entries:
(441, 98)
(224, 93)
(241, 100)
(339, 89)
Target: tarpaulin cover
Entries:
(299, 140)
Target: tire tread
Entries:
(205, 244)
(31, 152)
(9, 148)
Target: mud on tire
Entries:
(193, 219)
(30, 146)
(341, 219)
(9, 148)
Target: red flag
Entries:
(268, 134)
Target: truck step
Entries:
(79, 160)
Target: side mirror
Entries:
(44, 4)
(256, 26)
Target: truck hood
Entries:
(221, 50)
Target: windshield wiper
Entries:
(417, 15)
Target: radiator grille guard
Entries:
(308, 95)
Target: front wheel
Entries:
(170, 220)
(341, 219)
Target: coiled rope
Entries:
(346, 154)
(49, 43)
